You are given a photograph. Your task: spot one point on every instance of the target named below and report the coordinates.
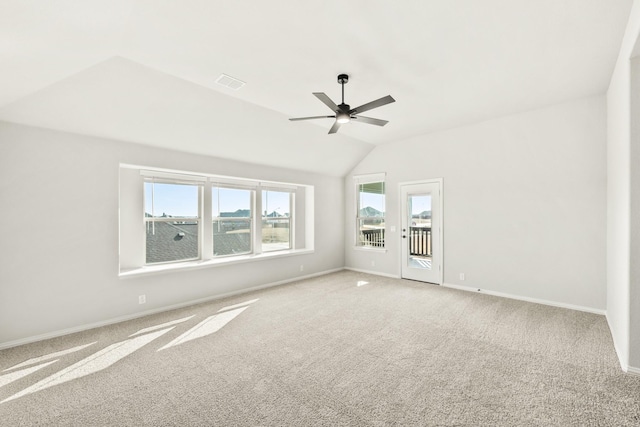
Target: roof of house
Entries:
(167, 241)
(170, 242)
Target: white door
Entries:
(422, 231)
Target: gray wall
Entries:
(623, 292)
(524, 203)
(59, 251)
(634, 219)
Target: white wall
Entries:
(619, 168)
(524, 202)
(634, 218)
(59, 250)
(618, 211)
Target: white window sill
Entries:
(215, 262)
(369, 249)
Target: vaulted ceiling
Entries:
(145, 70)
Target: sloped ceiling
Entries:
(145, 70)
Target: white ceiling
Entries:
(145, 70)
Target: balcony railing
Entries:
(372, 238)
(420, 241)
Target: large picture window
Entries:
(172, 221)
(370, 222)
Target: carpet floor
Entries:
(343, 349)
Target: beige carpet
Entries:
(341, 349)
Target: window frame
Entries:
(153, 220)
(132, 225)
(250, 219)
(290, 218)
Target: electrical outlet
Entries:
(301, 267)
(142, 299)
(461, 276)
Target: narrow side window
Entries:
(370, 222)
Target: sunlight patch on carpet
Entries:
(92, 364)
(164, 325)
(13, 376)
(49, 356)
(242, 304)
(207, 327)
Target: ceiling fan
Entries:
(343, 112)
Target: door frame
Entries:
(439, 182)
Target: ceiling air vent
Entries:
(230, 82)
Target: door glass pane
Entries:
(231, 221)
(419, 237)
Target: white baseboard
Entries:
(632, 370)
(59, 333)
(622, 360)
(375, 273)
(528, 299)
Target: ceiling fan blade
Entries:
(370, 120)
(335, 127)
(373, 104)
(311, 118)
(326, 101)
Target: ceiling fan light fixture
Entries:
(343, 118)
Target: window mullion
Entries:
(206, 247)
(257, 221)
(292, 231)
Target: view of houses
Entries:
(176, 239)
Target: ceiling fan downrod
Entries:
(342, 79)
